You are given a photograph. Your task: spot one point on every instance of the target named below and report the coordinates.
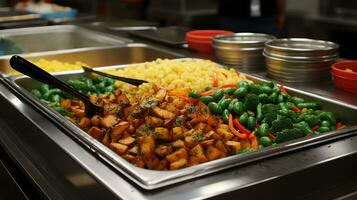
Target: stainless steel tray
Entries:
(61, 37)
(150, 179)
(98, 56)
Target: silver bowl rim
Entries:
(222, 39)
(329, 45)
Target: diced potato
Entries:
(227, 135)
(127, 141)
(110, 109)
(118, 148)
(222, 147)
(190, 141)
(146, 145)
(212, 121)
(84, 123)
(96, 132)
(134, 150)
(177, 133)
(95, 120)
(164, 114)
(213, 153)
(123, 100)
(197, 120)
(154, 121)
(118, 130)
(245, 143)
(109, 121)
(178, 144)
(235, 146)
(163, 150)
(78, 112)
(151, 161)
(163, 165)
(207, 143)
(107, 139)
(178, 154)
(197, 154)
(161, 94)
(65, 103)
(178, 164)
(161, 133)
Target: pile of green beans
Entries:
(269, 111)
(96, 85)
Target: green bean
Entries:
(218, 95)
(259, 112)
(214, 108)
(297, 100)
(225, 115)
(238, 107)
(309, 105)
(243, 118)
(44, 88)
(224, 103)
(263, 130)
(231, 105)
(206, 99)
(240, 92)
(36, 93)
(194, 95)
(229, 91)
(251, 123)
(265, 89)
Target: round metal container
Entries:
(241, 50)
(300, 59)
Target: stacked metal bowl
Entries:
(300, 59)
(241, 50)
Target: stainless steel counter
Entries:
(63, 169)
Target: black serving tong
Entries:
(24, 66)
(131, 81)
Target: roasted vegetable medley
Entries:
(171, 129)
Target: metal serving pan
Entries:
(98, 56)
(61, 37)
(151, 179)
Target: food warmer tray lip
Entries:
(151, 179)
(114, 39)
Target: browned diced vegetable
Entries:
(146, 145)
(161, 94)
(134, 150)
(164, 114)
(178, 164)
(107, 139)
(95, 120)
(96, 132)
(119, 148)
(163, 165)
(151, 161)
(78, 112)
(109, 121)
(177, 133)
(110, 109)
(65, 103)
(213, 153)
(161, 133)
(227, 135)
(178, 144)
(163, 150)
(154, 121)
(235, 146)
(118, 130)
(197, 154)
(84, 123)
(178, 154)
(127, 141)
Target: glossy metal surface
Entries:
(150, 179)
(63, 38)
(98, 56)
(300, 59)
(241, 50)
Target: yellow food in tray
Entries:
(55, 66)
(184, 75)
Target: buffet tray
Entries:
(97, 56)
(60, 37)
(150, 179)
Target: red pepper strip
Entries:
(315, 127)
(229, 86)
(215, 80)
(296, 109)
(271, 136)
(340, 125)
(224, 74)
(252, 135)
(234, 131)
(308, 135)
(283, 89)
(209, 92)
(254, 143)
(241, 127)
(187, 99)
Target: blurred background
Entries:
(332, 20)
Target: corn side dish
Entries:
(55, 66)
(184, 75)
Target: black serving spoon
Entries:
(24, 66)
(131, 81)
